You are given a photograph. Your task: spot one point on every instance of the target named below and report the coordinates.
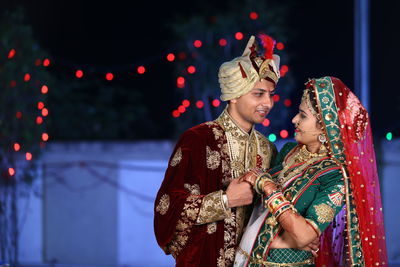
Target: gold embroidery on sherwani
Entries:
(242, 149)
(183, 226)
(211, 228)
(324, 212)
(213, 158)
(192, 189)
(212, 209)
(163, 204)
(176, 158)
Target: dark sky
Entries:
(120, 33)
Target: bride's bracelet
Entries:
(277, 203)
(260, 181)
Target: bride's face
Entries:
(306, 126)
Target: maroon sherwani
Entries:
(191, 221)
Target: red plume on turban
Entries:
(268, 44)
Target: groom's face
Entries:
(254, 106)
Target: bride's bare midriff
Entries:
(285, 241)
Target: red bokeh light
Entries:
(17, 146)
(141, 69)
(199, 104)
(45, 137)
(284, 69)
(253, 15)
(28, 156)
(180, 82)
(45, 112)
(11, 171)
(276, 98)
(186, 103)
(13, 83)
(223, 42)
(239, 36)
(181, 109)
(191, 69)
(216, 102)
(40, 105)
(18, 114)
(38, 62)
(266, 122)
(280, 46)
(170, 57)
(176, 113)
(197, 43)
(39, 120)
(27, 77)
(79, 74)
(284, 134)
(287, 102)
(44, 89)
(11, 54)
(46, 62)
(109, 76)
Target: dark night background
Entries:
(118, 35)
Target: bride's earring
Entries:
(322, 140)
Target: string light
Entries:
(199, 104)
(28, 156)
(45, 112)
(197, 43)
(266, 122)
(39, 120)
(18, 114)
(176, 113)
(284, 69)
(389, 136)
(141, 69)
(40, 105)
(44, 89)
(180, 82)
(79, 74)
(45, 137)
(186, 103)
(17, 146)
(170, 57)
(46, 62)
(284, 134)
(181, 109)
(287, 102)
(216, 103)
(280, 46)
(276, 98)
(239, 36)
(109, 76)
(11, 171)
(11, 54)
(253, 15)
(191, 69)
(222, 42)
(27, 77)
(272, 137)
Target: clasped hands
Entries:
(240, 190)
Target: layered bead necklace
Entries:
(301, 156)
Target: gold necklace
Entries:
(301, 156)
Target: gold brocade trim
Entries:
(324, 212)
(254, 260)
(212, 209)
(213, 158)
(163, 204)
(176, 158)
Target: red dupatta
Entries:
(357, 236)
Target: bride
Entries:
(323, 187)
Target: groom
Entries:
(200, 208)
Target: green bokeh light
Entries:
(389, 136)
(272, 137)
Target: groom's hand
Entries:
(239, 193)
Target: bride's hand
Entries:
(250, 177)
